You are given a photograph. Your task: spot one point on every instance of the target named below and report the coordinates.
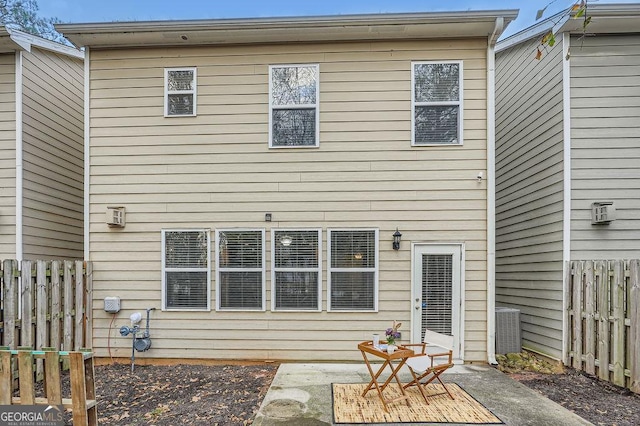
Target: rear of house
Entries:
(260, 168)
(567, 131)
(41, 148)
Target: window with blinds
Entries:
(437, 287)
(437, 103)
(293, 97)
(241, 269)
(353, 269)
(180, 92)
(296, 269)
(185, 269)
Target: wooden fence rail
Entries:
(46, 304)
(604, 320)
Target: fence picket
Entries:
(10, 298)
(56, 305)
(589, 326)
(602, 301)
(79, 307)
(577, 316)
(26, 297)
(88, 274)
(617, 298)
(42, 302)
(634, 329)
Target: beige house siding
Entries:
(216, 171)
(52, 155)
(605, 118)
(7, 155)
(529, 191)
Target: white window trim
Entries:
(414, 104)
(168, 92)
(375, 272)
(316, 105)
(220, 269)
(274, 270)
(165, 269)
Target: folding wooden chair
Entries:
(428, 365)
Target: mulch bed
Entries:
(597, 401)
(181, 394)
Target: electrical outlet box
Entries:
(112, 304)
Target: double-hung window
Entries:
(436, 89)
(179, 92)
(185, 269)
(353, 269)
(241, 269)
(296, 275)
(293, 100)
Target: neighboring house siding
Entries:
(529, 192)
(53, 155)
(216, 171)
(7, 156)
(605, 138)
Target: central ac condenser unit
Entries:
(508, 336)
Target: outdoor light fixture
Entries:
(286, 240)
(396, 239)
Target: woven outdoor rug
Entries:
(352, 408)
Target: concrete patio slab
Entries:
(300, 395)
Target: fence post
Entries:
(634, 331)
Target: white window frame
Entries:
(220, 269)
(459, 103)
(315, 105)
(165, 269)
(168, 92)
(274, 269)
(375, 270)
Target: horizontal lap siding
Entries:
(53, 155)
(7, 156)
(216, 171)
(529, 192)
(605, 117)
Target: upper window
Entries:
(296, 274)
(241, 268)
(353, 269)
(185, 269)
(293, 112)
(437, 103)
(179, 92)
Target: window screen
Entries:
(240, 269)
(296, 269)
(185, 266)
(180, 92)
(353, 261)
(437, 100)
(294, 105)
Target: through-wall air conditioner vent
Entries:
(508, 336)
(602, 213)
(115, 217)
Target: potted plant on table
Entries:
(392, 334)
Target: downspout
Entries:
(566, 209)
(87, 134)
(19, 159)
(491, 191)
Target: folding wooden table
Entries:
(399, 357)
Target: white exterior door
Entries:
(437, 295)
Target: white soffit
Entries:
(278, 30)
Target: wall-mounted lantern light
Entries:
(397, 236)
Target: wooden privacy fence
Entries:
(604, 320)
(81, 381)
(46, 304)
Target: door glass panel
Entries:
(437, 286)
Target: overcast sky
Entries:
(77, 11)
